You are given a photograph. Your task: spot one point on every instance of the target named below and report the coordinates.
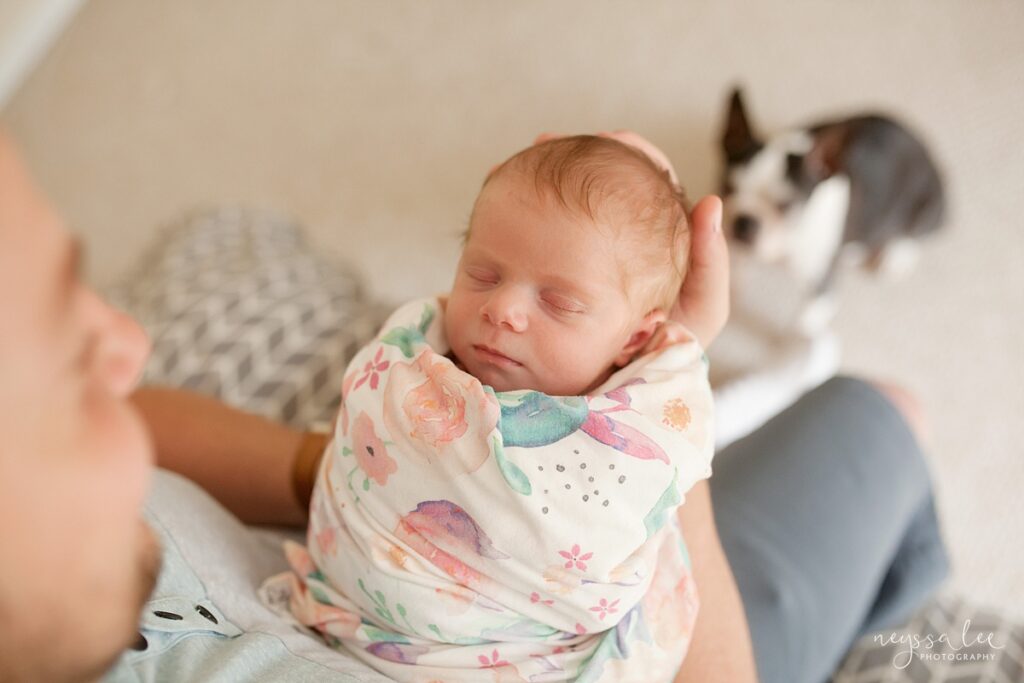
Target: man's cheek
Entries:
(119, 451)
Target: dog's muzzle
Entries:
(744, 228)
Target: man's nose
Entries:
(507, 308)
(124, 347)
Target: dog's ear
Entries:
(738, 140)
(826, 156)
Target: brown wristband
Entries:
(304, 467)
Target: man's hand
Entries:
(634, 140)
(703, 304)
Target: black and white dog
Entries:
(862, 186)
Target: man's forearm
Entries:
(721, 650)
(243, 460)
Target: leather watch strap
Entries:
(306, 463)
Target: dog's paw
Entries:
(817, 315)
(896, 260)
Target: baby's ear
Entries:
(641, 334)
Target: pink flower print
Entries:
(299, 559)
(573, 557)
(535, 597)
(327, 541)
(441, 417)
(369, 449)
(604, 608)
(486, 663)
(371, 370)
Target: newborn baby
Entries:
(498, 501)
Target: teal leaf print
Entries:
(535, 419)
(615, 644)
(426, 318)
(405, 337)
(669, 499)
(379, 602)
(402, 612)
(319, 595)
(514, 476)
(458, 640)
(348, 480)
(523, 629)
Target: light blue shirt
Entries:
(204, 620)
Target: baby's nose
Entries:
(506, 309)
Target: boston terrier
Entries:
(811, 197)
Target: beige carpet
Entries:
(374, 123)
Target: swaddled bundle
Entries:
(459, 534)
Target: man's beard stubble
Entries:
(58, 668)
(147, 562)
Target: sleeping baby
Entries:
(498, 501)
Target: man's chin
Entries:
(147, 571)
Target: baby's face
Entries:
(538, 300)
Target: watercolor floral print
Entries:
(521, 536)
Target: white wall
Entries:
(27, 28)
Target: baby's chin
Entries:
(521, 379)
(502, 383)
(497, 380)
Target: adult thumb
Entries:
(704, 299)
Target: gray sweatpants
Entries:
(827, 517)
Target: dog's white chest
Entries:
(819, 229)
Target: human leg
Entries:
(826, 517)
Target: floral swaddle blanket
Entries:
(458, 534)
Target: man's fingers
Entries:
(637, 141)
(704, 301)
(544, 137)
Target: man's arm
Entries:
(721, 650)
(243, 460)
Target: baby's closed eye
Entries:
(564, 304)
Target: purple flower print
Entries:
(371, 370)
(604, 608)
(486, 663)
(573, 557)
